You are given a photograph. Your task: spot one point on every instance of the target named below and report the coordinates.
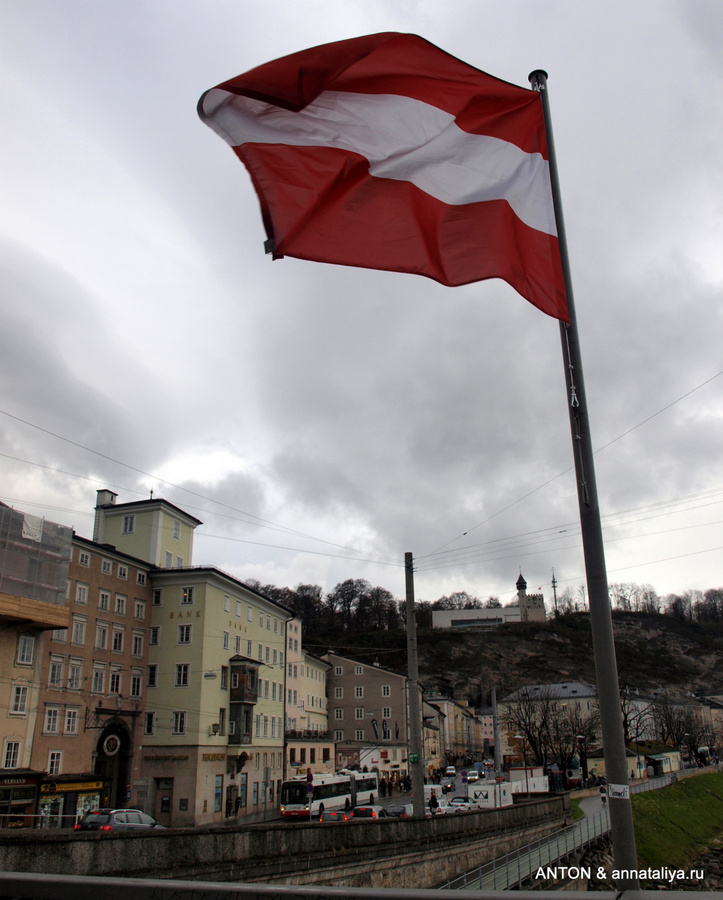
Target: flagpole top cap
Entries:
(537, 78)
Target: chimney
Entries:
(104, 498)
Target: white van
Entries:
(450, 770)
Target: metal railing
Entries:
(519, 865)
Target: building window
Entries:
(338, 735)
(106, 567)
(84, 559)
(154, 633)
(104, 600)
(226, 603)
(98, 681)
(123, 572)
(226, 639)
(184, 634)
(137, 645)
(169, 560)
(115, 683)
(224, 678)
(338, 693)
(359, 690)
(75, 676)
(250, 614)
(338, 714)
(338, 670)
(157, 597)
(60, 634)
(238, 644)
(358, 670)
(178, 723)
(52, 720)
(140, 578)
(129, 525)
(79, 632)
(187, 595)
(182, 670)
(387, 712)
(120, 605)
(26, 650)
(358, 735)
(359, 712)
(140, 609)
(136, 685)
(55, 673)
(81, 594)
(101, 637)
(117, 640)
(19, 706)
(176, 530)
(238, 609)
(386, 690)
(12, 754)
(149, 723)
(71, 721)
(153, 675)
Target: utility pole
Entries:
(416, 743)
(554, 590)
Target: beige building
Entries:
(309, 746)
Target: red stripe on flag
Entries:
(407, 65)
(323, 205)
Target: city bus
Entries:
(342, 791)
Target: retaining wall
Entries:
(399, 853)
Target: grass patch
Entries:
(672, 825)
(577, 812)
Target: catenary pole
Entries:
(611, 723)
(416, 743)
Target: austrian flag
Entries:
(385, 152)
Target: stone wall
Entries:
(399, 853)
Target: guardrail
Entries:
(519, 865)
(516, 867)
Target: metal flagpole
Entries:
(611, 723)
(417, 761)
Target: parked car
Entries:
(335, 815)
(442, 809)
(369, 812)
(450, 770)
(472, 775)
(463, 804)
(400, 810)
(447, 785)
(116, 820)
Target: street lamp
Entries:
(521, 738)
(583, 756)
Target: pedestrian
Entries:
(382, 788)
(433, 804)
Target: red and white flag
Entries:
(386, 152)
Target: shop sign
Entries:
(54, 787)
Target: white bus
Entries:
(343, 791)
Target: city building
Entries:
(368, 715)
(91, 695)
(527, 608)
(34, 555)
(309, 745)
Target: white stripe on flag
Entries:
(403, 139)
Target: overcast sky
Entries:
(323, 420)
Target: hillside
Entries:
(652, 651)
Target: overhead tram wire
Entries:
(517, 546)
(569, 468)
(254, 520)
